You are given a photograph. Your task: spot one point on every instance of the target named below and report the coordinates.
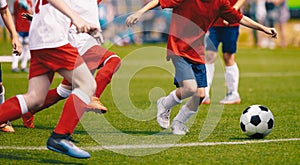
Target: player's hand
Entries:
(271, 31)
(17, 47)
(82, 26)
(133, 19)
(97, 35)
(27, 16)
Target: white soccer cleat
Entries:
(163, 114)
(231, 98)
(179, 128)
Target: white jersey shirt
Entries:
(3, 4)
(49, 27)
(88, 10)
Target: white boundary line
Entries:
(153, 146)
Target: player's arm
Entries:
(81, 25)
(8, 21)
(135, 17)
(246, 21)
(237, 6)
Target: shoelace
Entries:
(166, 115)
(70, 138)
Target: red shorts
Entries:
(94, 58)
(48, 61)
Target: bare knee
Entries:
(210, 57)
(34, 100)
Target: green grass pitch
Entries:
(129, 134)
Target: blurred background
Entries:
(153, 27)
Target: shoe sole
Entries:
(231, 102)
(56, 150)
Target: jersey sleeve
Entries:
(228, 13)
(3, 4)
(170, 3)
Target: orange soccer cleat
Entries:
(7, 127)
(96, 106)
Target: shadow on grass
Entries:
(22, 159)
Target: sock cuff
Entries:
(22, 103)
(105, 61)
(63, 92)
(81, 95)
(173, 93)
(231, 67)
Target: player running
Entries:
(190, 21)
(17, 49)
(228, 34)
(94, 56)
(51, 52)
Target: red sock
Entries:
(105, 74)
(52, 98)
(73, 110)
(10, 110)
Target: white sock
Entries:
(23, 104)
(171, 100)
(184, 114)
(63, 92)
(26, 56)
(210, 71)
(15, 61)
(232, 78)
(83, 96)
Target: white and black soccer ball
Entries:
(257, 121)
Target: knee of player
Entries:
(210, 57)
(190, 89)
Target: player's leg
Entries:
(74, 108)
(15, 58)
(5, 127)
(231, 69)
(16, 106)
(111, 63)
(187, 86)
(53, 96)
(25, 54)
(212, 42)
(191, 107)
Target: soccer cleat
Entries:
(25, 70)
(15, 70)
(163, 114)
(7, 127)
(28, 119)
(63, 144)
(231, 98)
(96, 106)
(206, 101)
(178, 128)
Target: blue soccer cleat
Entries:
(63, 144)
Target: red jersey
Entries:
(191, 19)
(22, 25)
(220, 22)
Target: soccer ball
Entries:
(257, 121)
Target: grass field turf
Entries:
(267, 77)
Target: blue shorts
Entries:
(23, 34)
(227, 35)
(185, 70)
